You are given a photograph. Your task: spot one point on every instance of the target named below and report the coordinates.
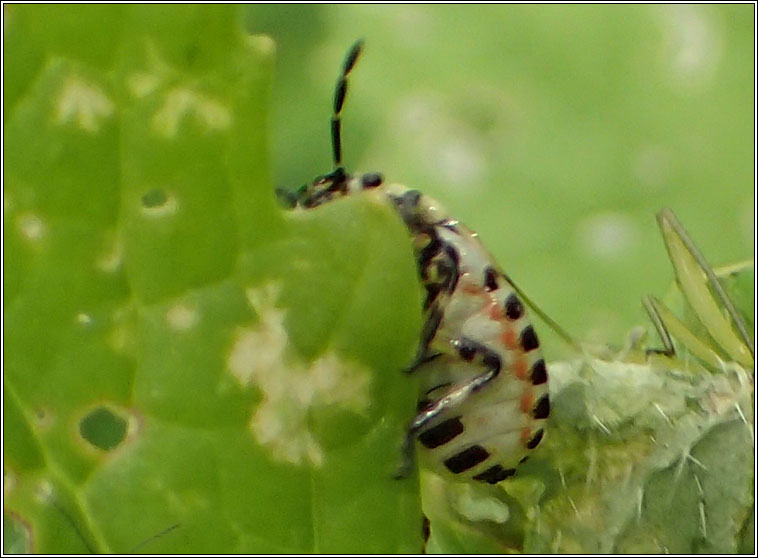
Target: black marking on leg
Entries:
(542, 408)
(428, 252)
(418, 362)
(466, 459)
(524, 459)
(468, 349)
(427, 334)
(490, 279)
(432, 292)
(529, 339)
(430, 326)
(426, 530)
(424, 404)
(538, 375)
(438, 268)
(453, 268)
(536, 439)
(495, 474)
(438, 386)
(441, 433)
(514, 309)
(425, 259)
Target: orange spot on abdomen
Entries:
(471, 288)
(494, 311)
(527, 401)
(509, 338)
(519, 368)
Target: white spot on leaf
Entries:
(110, 261)
(31, 226)
(290, 389)
(181, 317)
(181, 102)
(142, 83)
(83, 319)
(43, 491)
(262, 43)
(9, 481)
(84, 104)
(122, 337)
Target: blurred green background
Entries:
(556, 132)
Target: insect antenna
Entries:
(339, 99)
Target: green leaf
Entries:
(186, 368)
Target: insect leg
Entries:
(468, 350)
(660, 327)
(671, 326)
(439, 272)
(428, 332)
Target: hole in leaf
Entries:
(103, 428)
(157, 203)
(154, 198)
(43, 418)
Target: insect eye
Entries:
(408, 201)
(371, 180)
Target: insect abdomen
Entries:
(476, 322)
(495, 427)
